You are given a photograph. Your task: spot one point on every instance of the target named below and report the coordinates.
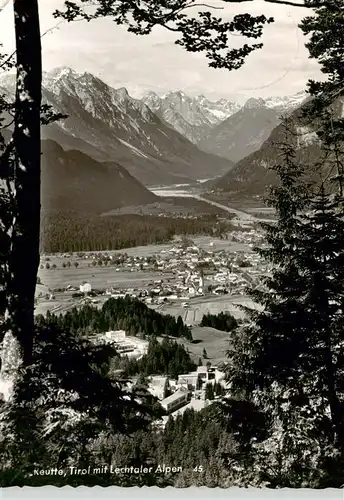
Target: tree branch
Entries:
(7, 60)
(213, 7)
(293, 4)
(280, 2)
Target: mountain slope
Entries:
(71, 180)
(252, 174)
(242, 133)
(113, 126)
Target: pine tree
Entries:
(209, 391)
(287, 360)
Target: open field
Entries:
(198, 306)
(57, 306)
(215, 342)
(100, 278)
(104, 277)
(246, 204)
(124, 278)
(192, 315)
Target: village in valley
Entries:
(186, 279)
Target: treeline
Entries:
(223, 321)
(165, 358)
(70, 231)
(197, 441)
(129, 314)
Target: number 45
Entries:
(198, 468)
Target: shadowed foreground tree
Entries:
(67, 400)
(20, 184)
(287, 362)
(25, 148)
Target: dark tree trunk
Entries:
(24, 258)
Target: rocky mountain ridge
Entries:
(109, 125)
(223, 127)
(242, 133)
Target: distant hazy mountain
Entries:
(193, 117)
(71, 180)
(252, 174)
(243, 132)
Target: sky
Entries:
(156, 63)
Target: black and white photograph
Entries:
(172, 243)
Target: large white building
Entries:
(189, 381)
(116, 335)
(86, 288)
(125, 345)
(210, 374)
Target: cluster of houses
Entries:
(192, 273)
(183, 271)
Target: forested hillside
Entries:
(127, 314)
(73, 231)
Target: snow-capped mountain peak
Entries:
(286, 103)
(191, 116)
(109, 123)
(96, 96)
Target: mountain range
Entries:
(112, 144)
(251, 175)
(109, 125)
(242, 133)
(200, 119)
(192, 117)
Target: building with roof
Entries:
(86, 288)
(194, 381)
(189, 381)
(175, 401)
(124, 345)
(209, 374)
(194, 404)
(116, 335)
